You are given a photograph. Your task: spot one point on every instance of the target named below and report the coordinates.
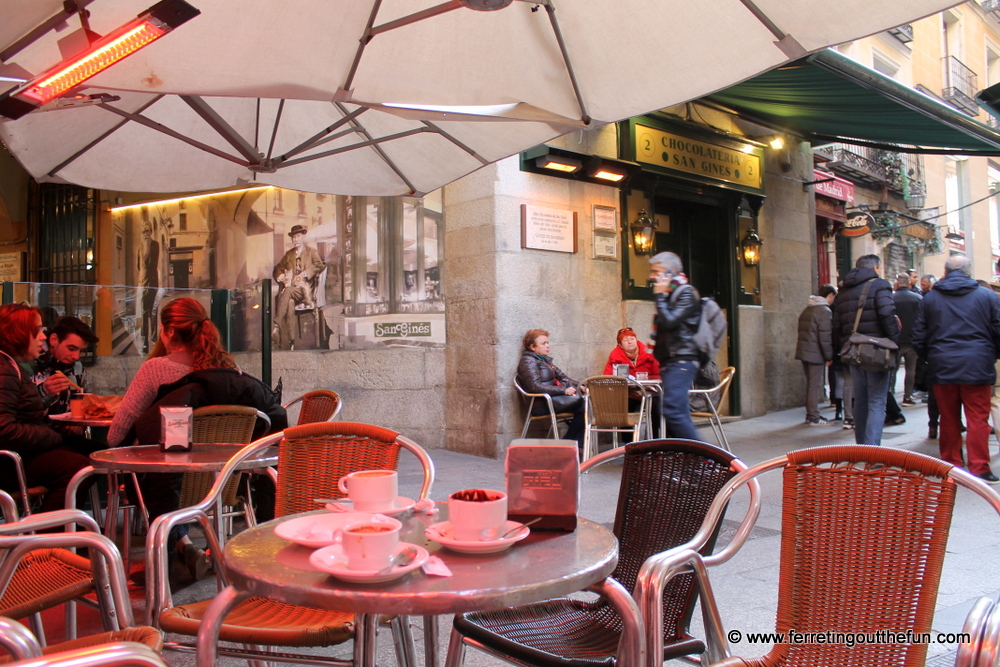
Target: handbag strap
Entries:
(861, 304)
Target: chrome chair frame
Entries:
(982, 622)
(725, 381)
(333, 417)
(117, 654)
(553, 431)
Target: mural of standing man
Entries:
(297, 274)
(149, 280)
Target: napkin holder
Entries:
(543, 479)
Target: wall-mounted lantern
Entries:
(643, 230)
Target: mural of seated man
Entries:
(297, 273)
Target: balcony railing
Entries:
(960, 86)
(902, 173)
(904, 33)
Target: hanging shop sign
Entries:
(830, 208)
(729, 162)
(858, 224)
(548, 229)
(833, 186)
(920, 230)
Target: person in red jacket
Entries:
(632, 351)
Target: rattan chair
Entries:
(714, 397)
(667, 487)
(606, 399)
(317, 406)
(39, 572)
(335, 449)
(552, 416)
(122, 652)
(863, 537)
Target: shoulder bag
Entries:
(869, 353)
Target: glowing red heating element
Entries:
(56, 82)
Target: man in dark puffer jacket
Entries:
(878, 318)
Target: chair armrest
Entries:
(8, 506)
(118, 654)
(975, 623)
(654, 575)
(18, 641)
(426, 463)
(46, 520)
(632, 645)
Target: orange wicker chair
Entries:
(335, 448)
(126, 648)
(863, 539)
(607, 411)
(41, 571)
(317, 406)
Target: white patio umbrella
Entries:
(389, 96)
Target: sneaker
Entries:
(848, 424)
(989, 477)
(819, 421)
(895, 421)
(932, 433)
(908, 403)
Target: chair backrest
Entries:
(667, 487)
(218, 424)
(608, 395)
(312, 459)
(863, 539)
(725, 381)
(319, 406)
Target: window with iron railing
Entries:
(960, 86)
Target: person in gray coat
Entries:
(815, 348)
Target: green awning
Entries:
(828, 97)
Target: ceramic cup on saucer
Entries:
(370, 543)
(370, 490)
(477, 514)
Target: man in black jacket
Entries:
(878, 318)
(907, 306)
(678, 313)
(958, 332)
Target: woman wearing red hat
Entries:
(633, 352)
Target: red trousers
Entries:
(975, 398)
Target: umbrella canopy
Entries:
(392, 96)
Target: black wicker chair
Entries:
(666, 489)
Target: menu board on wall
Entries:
(548, 229)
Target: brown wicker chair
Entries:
(41, 571)
(666, 489)
(714, 397)
(607, 410)
(335, 448)
(317, 406)
(863, 538)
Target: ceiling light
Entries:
(559, 163)
(174, 200)
(149, 26)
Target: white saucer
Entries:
(313, 531)
(400, 505)
(441, 532)
(331, 560)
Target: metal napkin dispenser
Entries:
(543, 482)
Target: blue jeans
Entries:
(678, 377)
(870, 390)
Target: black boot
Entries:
(838, 405)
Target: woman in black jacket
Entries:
(539, 375)
(49, 460)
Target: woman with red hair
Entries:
(188, 342)
(50, 460)
(633, 352)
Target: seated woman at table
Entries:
(51, 457)
(633, 353)
(539, 375)
(188, 342)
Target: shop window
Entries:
(302, 205)
(182, 222)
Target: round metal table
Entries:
(543, 566)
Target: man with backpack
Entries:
(678, 317)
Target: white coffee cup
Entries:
(371, 490)
(477, 514)
(369, 543)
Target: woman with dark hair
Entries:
(539, 375)
(188, 342)
(50, 460)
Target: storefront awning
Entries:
(827, 97)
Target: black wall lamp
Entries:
(562, 163)
(750, 248)
(643, 230)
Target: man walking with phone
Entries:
(678, 313)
